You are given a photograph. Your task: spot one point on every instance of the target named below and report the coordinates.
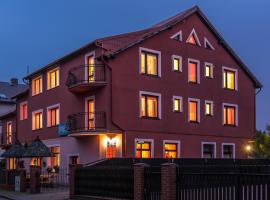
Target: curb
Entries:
(6, 197)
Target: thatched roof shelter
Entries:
(37, 149)
(15, 151)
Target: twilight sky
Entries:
(34, 33)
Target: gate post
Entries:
(72, 174)
(168, 181)
(139, 181)
(22, 174)
(35, 179)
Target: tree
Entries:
(261, 146)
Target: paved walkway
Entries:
(11, 195)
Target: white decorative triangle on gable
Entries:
(193, 38)
(177, 36)
(207, 44)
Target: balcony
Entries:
(86, 123)
(7, 139)
(86, 78)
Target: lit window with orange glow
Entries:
(149, 63)
(91, 68)
(208, 70)
(53, 116)
(170, 150)
(37, 86)
(177, 104)
(149, 106)
(229, 115)
(23, 111)
(37, 122)
(143, 150)
(229, 79)
(193, 72)
(193, 110)
(35, 162)
(192, 40)
(55, 161)
(12, 163)
(53, 78)
(9, 132)
(177, 63)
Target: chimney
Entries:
(13, 81)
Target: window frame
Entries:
(222, 149)
(191, 60)
(215, 148)
(198, 110)
(212, 107)
(180, 63)
(177, 142)
(48, 78)
(144, 140)
(235, 78)
(181, 103)
(151, 94)
(236, 114)
(41, 85)
(33, 115)
(211, 68)
(50, 108)
(206, 41)
(150, 51)
(21, 105)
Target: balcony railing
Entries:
(7, 138)
(87, 122)
(86, 77)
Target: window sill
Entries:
(37, 129)
(54, 126)
(194, 122)
(209, 115)
(150, 75)
(175, 111)
(53, 88)
(229, 125)
(153, 118)
(177, 71)
(193, 83)
(209, 77)
(228, 89)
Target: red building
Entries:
(175, 89)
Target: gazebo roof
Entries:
(15, 151)
(37, 149)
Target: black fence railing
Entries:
(84, 122)
(112, 182)
(3, 176)
(86, 74)
(152, 182)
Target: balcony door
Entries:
(90, 68)
(90, 113)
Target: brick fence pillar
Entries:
(35, 179)
(168, 181)
(72, 172)
(139, 181)
(22, 174)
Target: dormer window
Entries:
(207, 44)
(193, 38)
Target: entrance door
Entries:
(90, 114)
(111, 150)
(90, 68)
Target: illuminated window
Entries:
(208, 70)
(37, 86)
(149, 62)
(23, 111)
(193, 38)
(229, 79)
(53, 115)
(209, 108)
(177, 104)
(91, 67)
(170, 150)
(207, 44)
(208, 150)
(9, 132)
(230, 115)
(177, 63)
(111, 150)
(12, 163)
(150, 105)
(53, 78)
(35, 162)
(55, 161)
(194, 110)
(37, 120)
(228, 151)
(143, 149)
(193, 71)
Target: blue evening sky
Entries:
(34, 33)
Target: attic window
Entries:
(207, 44)
(177, 36)
(193, 38)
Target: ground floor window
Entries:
(228, 151)
(170, 150)
(143, 149)
(74, 160)
(35, 162)
(208, 150)
(55, 161)
(11, 163)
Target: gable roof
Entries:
(8, 91)
(114, 45)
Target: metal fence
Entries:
(152, 182)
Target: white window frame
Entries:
(236, 112)
(206, 41)
(193, 32)
(33, 114)
(178, 142)
(144, 140)
(22, 104)
(49, 108)
(236, 76)
(86, 110)
(198, 70)
(215, 148)
(34, 79)
(47, 75)
(92, 53)
(180, 62)
(176, 34)
(222, 149)
(181, 103)
(141, 49)
(198, 109)
(152, 94)
(212, 107)
(212, 70)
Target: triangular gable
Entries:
(193, 38)
(177, 36)
(207, 44)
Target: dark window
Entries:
(228, 151)
(208, 151)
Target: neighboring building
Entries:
(175, 89)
